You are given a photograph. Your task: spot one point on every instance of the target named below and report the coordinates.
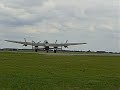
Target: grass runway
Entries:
(33, 71)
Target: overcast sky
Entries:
(95, 22)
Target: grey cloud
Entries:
(23, 3)
(107, 12)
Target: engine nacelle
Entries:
(25, 45)
(66, 46)
(55, 47)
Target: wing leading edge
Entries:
(26, 43)
(66, 44)
(42, 44)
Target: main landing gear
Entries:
(36, 48)
(55, 51)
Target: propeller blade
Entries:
(25, 39)
(55, 41)
(25, 42)
(66, 41)
(32, 44)
(39, 42)
(66, 45)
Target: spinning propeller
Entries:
(55, 41)
(25, 44)
(66, 43)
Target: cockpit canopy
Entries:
(46, 42)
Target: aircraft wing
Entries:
(26, 43)
(66, 44)
(43, 44)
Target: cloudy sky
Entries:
(95, 22)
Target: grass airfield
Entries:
(39, 71)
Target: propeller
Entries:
(33, 43)
(25, 42)
(38, 42)
(55, 41)
(25, 39)
(66, 43)
(55, 47)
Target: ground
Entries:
(34, 71)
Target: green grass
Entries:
(31, 71)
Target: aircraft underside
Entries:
(46, 49)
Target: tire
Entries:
(55, 51)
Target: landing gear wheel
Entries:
(47, 51)
(55, 51)
(36, 50)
